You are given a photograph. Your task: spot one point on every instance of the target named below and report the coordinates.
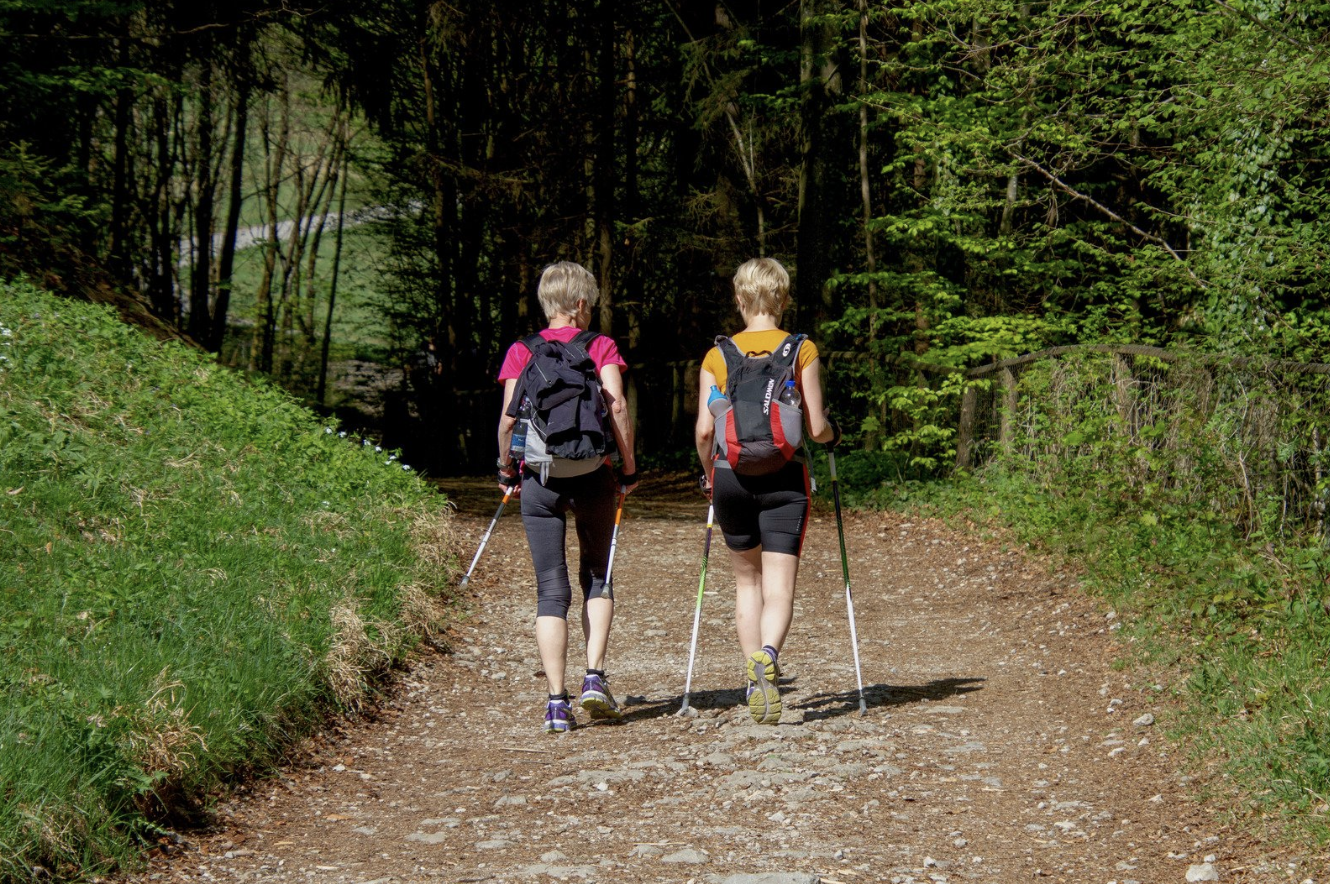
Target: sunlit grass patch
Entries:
(193, 570)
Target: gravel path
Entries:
(1001, 744)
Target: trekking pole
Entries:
(845, 568)
(608, 588)
(697, 611)
(486, 537)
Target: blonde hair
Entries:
(762, 286)
(562, 285)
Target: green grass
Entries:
(193, 570)
(1243, 624)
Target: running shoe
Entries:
(763, 695)
(559, 717)
(597, 699)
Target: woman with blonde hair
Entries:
(746, 410)
(585, 487)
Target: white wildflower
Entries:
(327, 431)
(342, 435)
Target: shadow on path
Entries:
(821, 706)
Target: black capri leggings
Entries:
(769, 511)
(544, 515)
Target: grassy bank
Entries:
(192, 571)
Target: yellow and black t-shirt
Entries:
(758, 343)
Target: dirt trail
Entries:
(1000, 743)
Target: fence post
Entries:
(965, 433)
(1122, 381)
(1006, 429)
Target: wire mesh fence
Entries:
(1238, 436)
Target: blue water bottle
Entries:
(717, 402)
(518, 447)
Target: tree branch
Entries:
(1076, 194)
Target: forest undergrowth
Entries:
(1195, 504)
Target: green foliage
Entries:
(192, 569)
(1194, 494)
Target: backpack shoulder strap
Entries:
(581, 343)
(787, 352)
(532, 341)
(730, 352)
(584, 339)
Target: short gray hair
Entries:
(562, 285)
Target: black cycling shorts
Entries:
(768, 511)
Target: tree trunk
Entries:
(865, 194)
(604, 170)
(261, 354)
(200, 316)
(124, 103)
(332, 293)
(235, 196)
(158, 210)
(820, 82)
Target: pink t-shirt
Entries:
(603, 352)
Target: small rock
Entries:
(688, 855)
(494, 844)
(553, 856)
(1202, 872)
(1145, 720)
(431, 838)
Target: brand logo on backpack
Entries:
(759, 433)
(560, 388)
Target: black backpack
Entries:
(560, 391)
(757, 433)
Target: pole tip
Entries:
(863, 707)
(685, 712)
(465, 580)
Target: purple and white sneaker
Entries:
(597, 700)
(559, 717)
